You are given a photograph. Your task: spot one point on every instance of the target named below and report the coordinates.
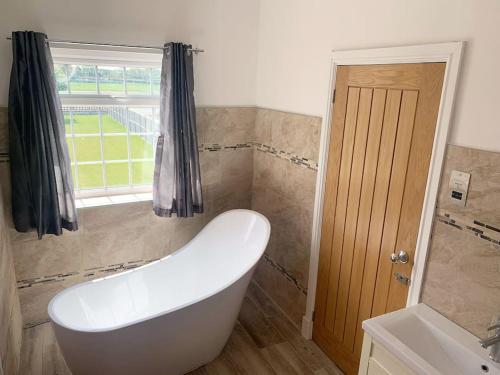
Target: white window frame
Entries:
(105, 56)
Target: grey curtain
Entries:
(177, 181)
(42, 186)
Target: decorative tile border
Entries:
(474, 227)
(285, 273)
(218, 147)
(4, 157)
(89, 273)
(303, 162)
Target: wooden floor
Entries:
(263, 342)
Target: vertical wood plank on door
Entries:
(391, 116)
(419, 160)
(353, 201)
(340, 212)
(330, 203)
(394, 203)
(365, 212)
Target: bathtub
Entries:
(167, 317)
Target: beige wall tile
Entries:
(483, 201)
(4, 130)
(298, 134)
(289, 298)
(284, 192)
(225, 125)
(289, 243)
(295, 182)
(463, 278)
(10, 315)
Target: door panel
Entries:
(382, 134)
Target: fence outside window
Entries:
(111, 147)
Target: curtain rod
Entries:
(193, 50)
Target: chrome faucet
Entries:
(493, 342)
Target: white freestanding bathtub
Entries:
(168, 317)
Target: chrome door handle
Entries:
(401, 257)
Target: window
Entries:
(111, 111)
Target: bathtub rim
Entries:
(55, 320)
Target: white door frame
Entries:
(449, 53)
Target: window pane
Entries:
(123, 128)
(67, 121)
(86, 122)
(90, 176)
(88, 148)
(61, 78)
(156, 119)
(138, 81)
(117, 174)
(115, 147)
(69, 141)
(111, 80)
(155, 77)
(73, 174)
(140, 146)
(140, 119)
(142, 172)
(82, 79)
(114, 120)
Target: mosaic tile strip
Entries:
(4, 157)
(89, 273)
(285, 273)
(474, 227)
(303, 162)
(219, 147)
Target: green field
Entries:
(115, 88)
(114, 147)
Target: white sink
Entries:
(428, 343)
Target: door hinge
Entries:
(314, 315)
(333, 95)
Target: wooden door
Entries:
(384, 119)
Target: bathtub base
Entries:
(172, 344)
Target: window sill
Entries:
(112, 200)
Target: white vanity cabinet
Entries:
(419, 341)
(377, 360)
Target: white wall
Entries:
(296, 37)
(226, 29)
(294, 40)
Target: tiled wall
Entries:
(463, 276)
(463, 273)
(267, 160)
(284, 178)
(10, 313)
(118, 237)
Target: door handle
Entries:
(401, 257)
